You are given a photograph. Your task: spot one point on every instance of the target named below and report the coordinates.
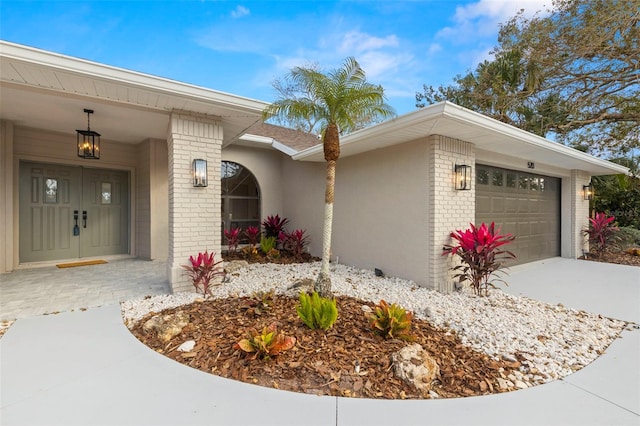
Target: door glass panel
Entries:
(51, 191)
(497, 178)
(482, 177)
(106, 193)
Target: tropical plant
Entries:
(628, 237)
(266, 344)
(233, 238)
(252, 233)
(338, 100)
(391, 321)
(274, 225)
(479, 250)
(267, 244)
(259, 302)
(294, 242)
(202, 270)
(316, 311)
(601, 232)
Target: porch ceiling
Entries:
(44, 90)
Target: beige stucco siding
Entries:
(380, 212)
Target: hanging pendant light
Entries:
(88, 140)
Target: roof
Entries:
(487, 134)
(287, 140)
(42, 89)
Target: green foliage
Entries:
(267, 244)
(391, 321)
(316, 311)
(628, 237)
(571, 72)
(266, 344)
(618, 195)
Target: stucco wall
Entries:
(152, 201)
(7, 257)
(266, 166)
(380, 212)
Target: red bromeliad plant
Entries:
(274, 225)
(478, 248)
(202, 270)
(233, 238)
(252, 233)
(601, 232)
(294, 242)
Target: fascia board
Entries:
(126, 77)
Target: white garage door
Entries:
(524, 204)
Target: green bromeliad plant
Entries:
(479, 249)
(316, 311)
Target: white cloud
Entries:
(355, 42)
(483, 17)
(240, 11)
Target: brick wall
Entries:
(194, 213)
(449, 209)
(580, 213)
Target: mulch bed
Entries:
(620, 258)
(324, 363)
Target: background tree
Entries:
(574, 73)
(339, 101)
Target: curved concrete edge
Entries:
(86, 368)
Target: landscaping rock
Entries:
(166, 326)
(305, 285)
(415, 366)
(235, 265)
(187, 346)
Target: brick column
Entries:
(579, 213)
(6, 197)
(194, 213)
(449, 209)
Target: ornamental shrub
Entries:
(601, 232)
(316, 311)
(479, 250)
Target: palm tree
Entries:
(341, 100)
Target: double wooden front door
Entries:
(71, 212)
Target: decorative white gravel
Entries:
(554, 341)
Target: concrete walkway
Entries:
(85, 368)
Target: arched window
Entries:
(240, 198)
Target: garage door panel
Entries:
(523, 204)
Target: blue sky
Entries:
(241, 47)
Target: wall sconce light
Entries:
(587, 192)
(462, 177)
(88, 141)
(199, 168)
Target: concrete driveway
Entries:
(85, 368)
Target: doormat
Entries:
(81, 263)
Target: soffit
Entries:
(48, 91)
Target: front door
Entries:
(72, 212)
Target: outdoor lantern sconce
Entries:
(199, 167)
(587, 192)
(462, 177)
(88, 141)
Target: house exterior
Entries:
(395, 204)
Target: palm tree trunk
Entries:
(323, 283)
